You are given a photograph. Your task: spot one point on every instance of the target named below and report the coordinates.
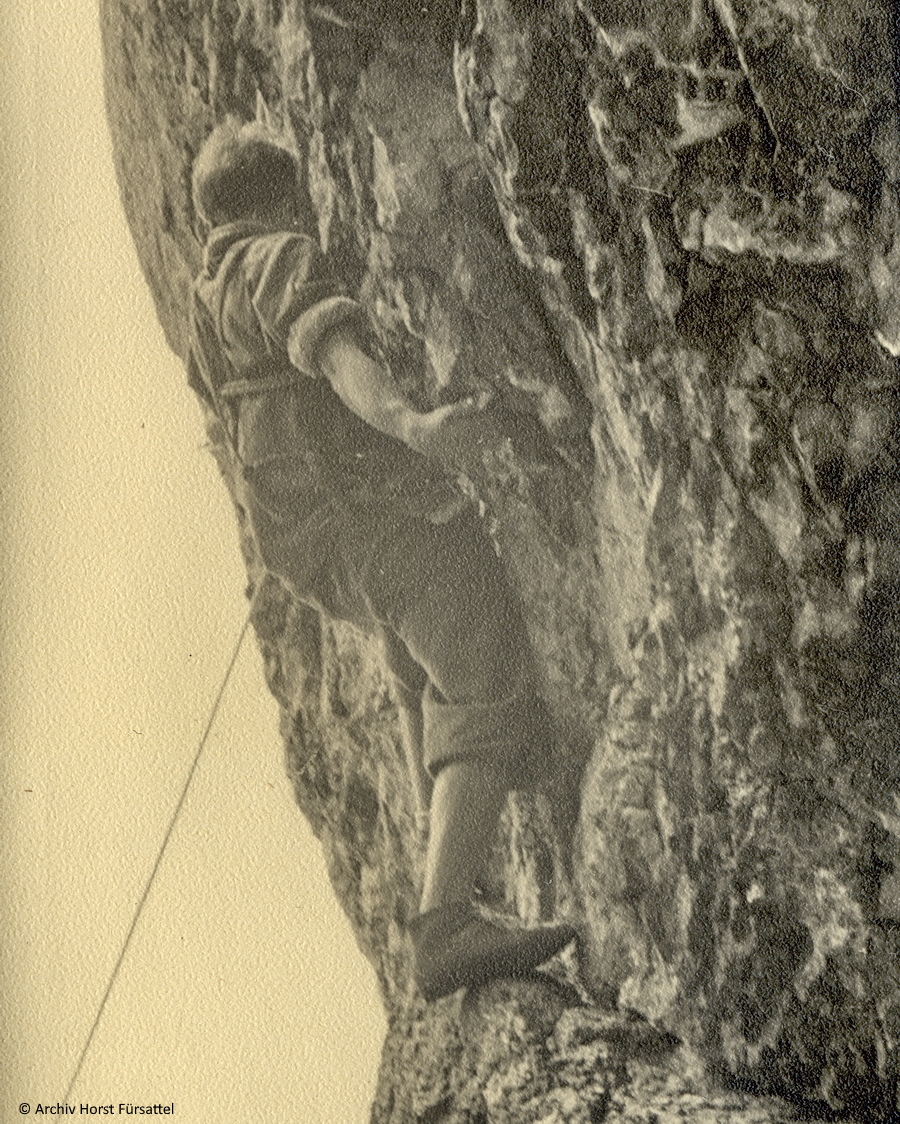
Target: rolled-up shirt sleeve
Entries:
(318, 324)
(298, 302)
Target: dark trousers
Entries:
(436, 593)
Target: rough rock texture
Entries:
(664, 233)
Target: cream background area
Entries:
(243, 997)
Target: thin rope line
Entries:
(159, 857)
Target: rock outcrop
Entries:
(665, 236)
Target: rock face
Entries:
(665, 236)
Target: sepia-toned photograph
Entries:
(451, 588)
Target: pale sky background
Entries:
(244, 996)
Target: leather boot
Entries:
(454, 947)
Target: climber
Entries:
(350, 495)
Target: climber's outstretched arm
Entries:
(450, 434)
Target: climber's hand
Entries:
(457, 435)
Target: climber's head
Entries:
(241, 173)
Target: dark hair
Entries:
(240, 173)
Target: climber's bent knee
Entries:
(511, 736)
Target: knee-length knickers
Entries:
(438, 595)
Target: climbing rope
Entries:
(159, 857)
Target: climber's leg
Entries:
(440, 596)
(409, 681)
(454, 946)
(484, 728)
(411, 725)
(466, 804)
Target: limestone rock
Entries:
(665, 236)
